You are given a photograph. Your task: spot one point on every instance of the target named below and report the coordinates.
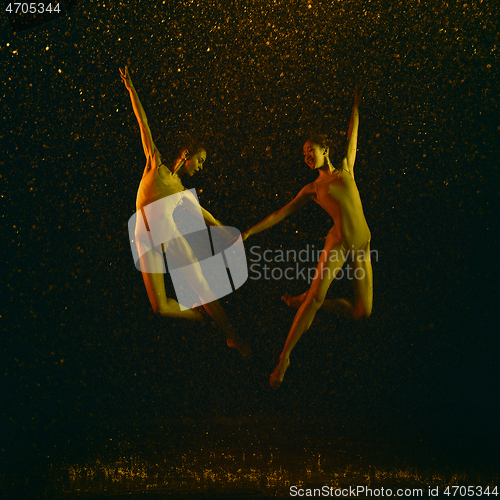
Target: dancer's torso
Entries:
(157, 183)
(338, 194)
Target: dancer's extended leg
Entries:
(363, 283)
(213, 308)
(166, 307)
(330, 263)
(363, 290)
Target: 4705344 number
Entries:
(470, 491)
(32, 8)
(29, 15)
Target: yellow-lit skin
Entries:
(335, 190)
(158, 181)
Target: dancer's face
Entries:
(195, 162)
(314, 155)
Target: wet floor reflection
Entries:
(226, 472)
(219, 465)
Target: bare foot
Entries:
(294, 301)
(279, 373)
(241, 345)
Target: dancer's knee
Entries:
(160, 310)
(164, 309)
(361, 311)
(314, 302)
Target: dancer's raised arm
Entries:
(352, 135)
(140, 114)
(299, 201)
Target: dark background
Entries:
(86, 360)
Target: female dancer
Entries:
(161, 181)
(335, 190)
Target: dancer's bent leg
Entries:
(155, 286)
(363, 283)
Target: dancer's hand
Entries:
(227, 233)
(358, 95)
(126, 78)
(233, 241)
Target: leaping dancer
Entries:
(160, 181)
(334, 190)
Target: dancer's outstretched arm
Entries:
(210, 220)
(352, 135)
(298, 202)
(195, 209)
(147, 140)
